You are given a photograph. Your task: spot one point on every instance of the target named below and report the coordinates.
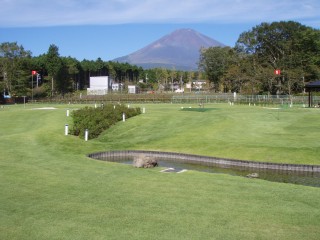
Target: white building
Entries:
(98, 85)
(132, 89)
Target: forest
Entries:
(271, 58)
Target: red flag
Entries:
(277, 72)
(33, 72)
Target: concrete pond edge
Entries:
(202, 160)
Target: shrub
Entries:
(97, 120)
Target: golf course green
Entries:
(50, 189)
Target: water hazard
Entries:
(293, 177)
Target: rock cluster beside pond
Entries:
(253, 175)
(143, 161)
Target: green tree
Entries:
(68, 75)
(53, 65)
(88, 68)
(15, 70)
(111, 70)
(289, 46)
(215, 61)
(73, 68)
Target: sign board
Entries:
(99, 82)
(98, 85)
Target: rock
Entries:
(253, 175)
(143, 161)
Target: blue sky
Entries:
(88, 29)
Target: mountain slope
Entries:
(179, 50)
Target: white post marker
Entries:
(86, 135)
(24, 101)
(144, 110)
(66, 129)
(95, 105)
(123, 117)
(68, 113)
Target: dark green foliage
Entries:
(15, 69)
(289, 46)
(97, 120)
(249, 67)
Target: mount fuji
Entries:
(178, 50)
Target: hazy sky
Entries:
(112, 28)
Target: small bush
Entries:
(97, 120)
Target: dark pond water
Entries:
(293, 177)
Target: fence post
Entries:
(86, 134)
(66, 129)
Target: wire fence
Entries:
(186, 98)
(245, 99)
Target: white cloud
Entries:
(20, 13)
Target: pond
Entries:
(303, 178)
(306, 178)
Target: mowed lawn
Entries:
(51, 190)
(289, 135)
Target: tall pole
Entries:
(32, 86)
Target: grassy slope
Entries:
(50, 190)
(286, 135)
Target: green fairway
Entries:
(248, 133)
(51, 190)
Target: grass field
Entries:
(240, 132)
(51, 190)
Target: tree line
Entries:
(249, 67)
(57, 75)
(271, 58)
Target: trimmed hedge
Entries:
(97, 120)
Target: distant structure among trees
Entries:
(99, 85)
